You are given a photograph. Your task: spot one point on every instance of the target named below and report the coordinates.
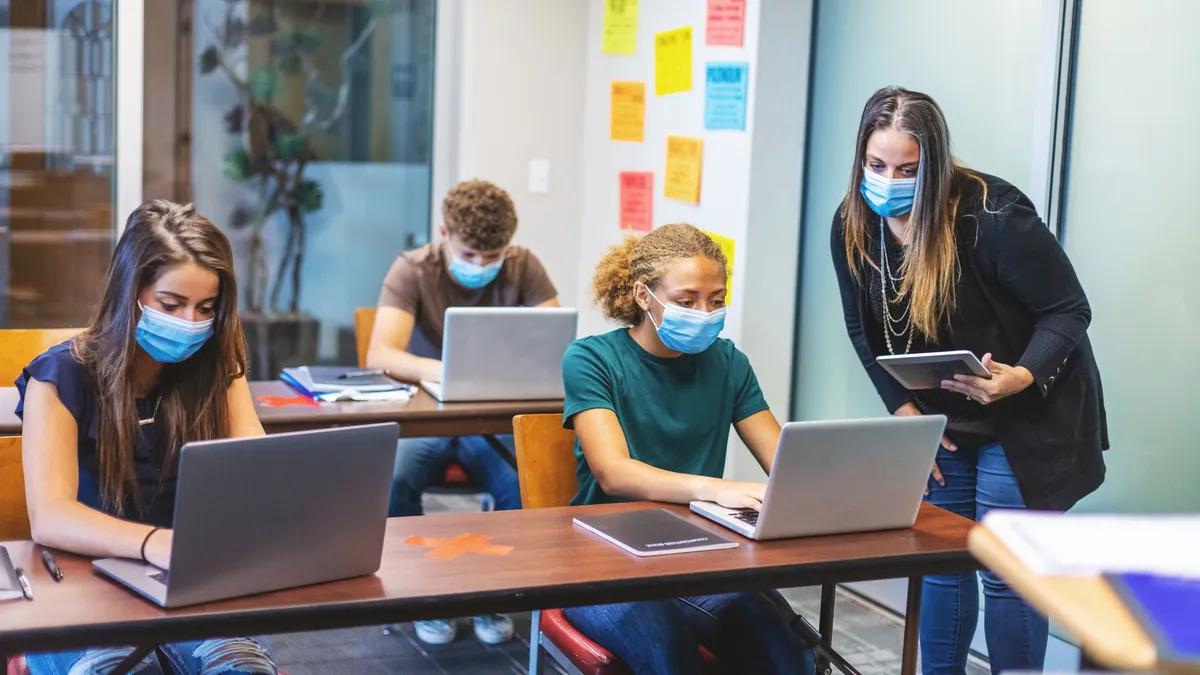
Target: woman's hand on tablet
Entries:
(910, 410)
(1005, 381)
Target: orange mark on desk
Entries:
(286, 401)
(448, 549)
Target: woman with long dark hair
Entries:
(162, 363)
(932, 256)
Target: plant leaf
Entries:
(290, 65)
(263, 84)
(241, 216)
(209, 60)
(236, 165)
(309, 196)
(290, 146)
(305, 40)
(235, 33)
(235, 119)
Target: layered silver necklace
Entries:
(891, 324)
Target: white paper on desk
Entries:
(355, 395)
(1054, 544)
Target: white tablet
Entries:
(927, 371)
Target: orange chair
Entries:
(546, 468)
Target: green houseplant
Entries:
(263, 47)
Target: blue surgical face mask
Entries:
(690, 331)
(472, 275)
(889, 197)
(169, 339)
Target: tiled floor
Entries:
(866, 636)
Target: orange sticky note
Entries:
(685, 161)
(637, 201)
(628, 111)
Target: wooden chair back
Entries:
(20, 346)
(545, 461)
(364, 323)
(14, 515)
(17, 349)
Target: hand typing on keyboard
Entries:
(735, 495)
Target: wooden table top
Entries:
(1085, 606)
(418, 417)
(552, 564)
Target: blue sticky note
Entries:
(726, 89)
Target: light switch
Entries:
(539, 176)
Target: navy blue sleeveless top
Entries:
(78, 395)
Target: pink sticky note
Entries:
(726, 23)
(637, 200)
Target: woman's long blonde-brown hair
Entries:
(646, 259)
(194, 406)
(930, 267)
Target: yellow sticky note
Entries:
(628, 111)
(685, 161)
(673, 61)
(727, 247)
(620, 27)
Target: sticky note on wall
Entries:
(725, 91)
(673, 61)
(628, 111)
(728, 247)
(685, 162)
(637, 201)
(620, 27)
(726, 23)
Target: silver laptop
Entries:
(260, 514)
(504, 353)
(843, 476)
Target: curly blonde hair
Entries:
(480, 214)
(646, 259)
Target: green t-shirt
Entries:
(676, 413)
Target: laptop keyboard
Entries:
(748, 516)
(160, 576)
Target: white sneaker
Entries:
(493, 629)
(437, 632)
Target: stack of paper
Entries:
(1053, 544)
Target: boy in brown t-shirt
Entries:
(473, 266)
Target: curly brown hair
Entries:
(480, 215)
(646, 259)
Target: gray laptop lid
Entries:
(505, 353)
(849, 475)
(260, 514)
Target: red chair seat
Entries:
(16, 666)
(589, 657)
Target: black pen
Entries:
(362, 373)
(26, 589)
(51, 567)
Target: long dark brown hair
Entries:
(930, 267)
(194, 406)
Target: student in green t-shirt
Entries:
(651, 406)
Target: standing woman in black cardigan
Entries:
(931, 256)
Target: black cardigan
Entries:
(1018, 298)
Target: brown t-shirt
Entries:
(420, 283)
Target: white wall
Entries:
(519, 72)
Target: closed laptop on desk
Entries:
(503, 353)
(261, 514)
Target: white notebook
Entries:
(1054, 544)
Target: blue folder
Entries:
(1168, 609)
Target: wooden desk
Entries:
(553, 564)
(1085, 606)
(419, 417)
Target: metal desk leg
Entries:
(912, 622)
(535, 644)
(130, 662)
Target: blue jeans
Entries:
(663, 637)
(227, 656)
(422, 461)
(977, 480)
